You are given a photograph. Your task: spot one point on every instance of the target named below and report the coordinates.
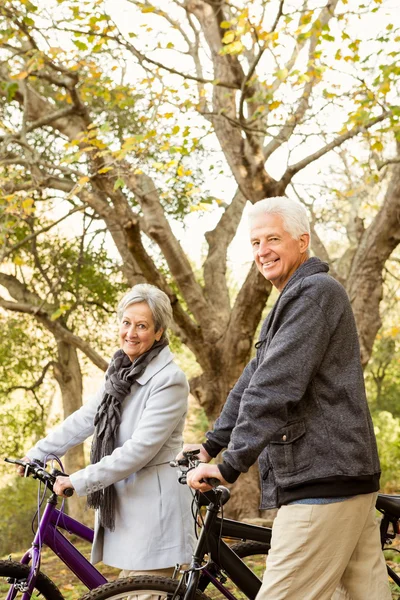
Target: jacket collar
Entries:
(312, 266)
(158, 363)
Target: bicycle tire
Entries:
(247, 549)
(154, 586)
(44, 587)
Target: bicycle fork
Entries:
(196, 569)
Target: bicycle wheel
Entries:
(254, 554)
(13, 575)
(143, 587)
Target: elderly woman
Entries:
(143, 521)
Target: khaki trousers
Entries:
(168, 572)
(316, 548)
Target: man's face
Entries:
(276, 253)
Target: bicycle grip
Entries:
(213, 481)
(68, 492)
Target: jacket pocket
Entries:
(289, 450)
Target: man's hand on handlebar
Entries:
(61, 484)
(195, 477)
(202, 456)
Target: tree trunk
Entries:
(365, 281)
(69, 377)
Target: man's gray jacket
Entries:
(300, 404)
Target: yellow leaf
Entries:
(105, 170)
(274, 105)
(27, 203)
(282, 74)
(83, 180)
(234, 48)
(228, 37)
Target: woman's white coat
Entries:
(153, 522)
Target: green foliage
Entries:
(196, 423)
(383, 372)
(75, 282)
(387, 431)
(23, 413)
(18, 502)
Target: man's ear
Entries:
(304, 240)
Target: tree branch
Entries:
(36, 384)
(214, 267)
(59, 332)
(159, 229)
(323, 18)
(338, 141)
(37, 233)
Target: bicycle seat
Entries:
(389, 504)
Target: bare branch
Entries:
(278, 15)
(55, 327)
(323, 18)
(214, 267)
(37, 233)
(390, 161)
(36, 384)
(338, 141)
(159, 229)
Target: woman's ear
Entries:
(159, 334)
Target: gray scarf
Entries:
(120, 376)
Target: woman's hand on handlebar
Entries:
(202, 456)
(20, 468)
(195, 477)
(61, 484)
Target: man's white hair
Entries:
(294, 214)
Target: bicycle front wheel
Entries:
(254, 554)
(143, 587)
(13, 577)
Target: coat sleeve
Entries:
(280, 381)
(165, 407)
(74, 430)
(219, 437)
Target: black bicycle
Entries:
(215, 565)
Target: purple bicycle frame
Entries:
(49, 534)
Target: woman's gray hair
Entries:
(157, 301)
(294, 214)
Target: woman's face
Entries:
(136, 330)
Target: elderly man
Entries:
(300, 408)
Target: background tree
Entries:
(124, 123)
(65, 293)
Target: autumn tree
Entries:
(120, 113)
(61, 298)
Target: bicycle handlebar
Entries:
(39, 472)
(190, 461)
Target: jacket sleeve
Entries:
(75, 429)
(219, 437)
(165, 407)
(290, 363)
